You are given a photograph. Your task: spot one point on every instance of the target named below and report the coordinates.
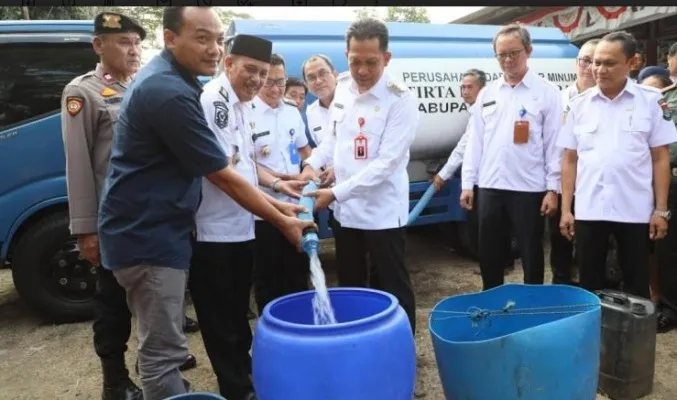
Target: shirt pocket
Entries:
(489, 117)
(263, 143)
(585, 136)
(636, 133)
(373, 130)
(112, 113)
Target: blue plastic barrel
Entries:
(523, 342)
(369, 354)
(196, 396)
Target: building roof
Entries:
(495, 15)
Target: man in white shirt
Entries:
(223, 249)
(618, 167)
(374, 120)
(280, 144)
(561, 249)
(512, 157)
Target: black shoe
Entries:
(125, 390)
(190, 326)
(190, 363)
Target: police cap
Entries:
(110, 22)
(653, 70)
(252, 47)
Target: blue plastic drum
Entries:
(523, 342)
(369, 354)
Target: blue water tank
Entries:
(369, 354)
(430, 59)
(518, 342)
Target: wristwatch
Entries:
(665, 214)
(273, 185)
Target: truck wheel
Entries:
(49, 274)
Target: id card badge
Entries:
(293, 154)
(361, 149)
(521, 132)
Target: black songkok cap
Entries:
(252, 47)
(110, 22)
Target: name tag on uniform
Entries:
(293, 154)
(260, 134)
(521, 130)
(317, 129)
(489, 103)
(113, 100)
(361, 149)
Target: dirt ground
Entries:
(39, 361)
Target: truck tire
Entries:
(49, 274)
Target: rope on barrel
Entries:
(479, 316)
(475, 313)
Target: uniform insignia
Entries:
(265, 151)
(74, 105)
(224, 93)
(489, 103)
(114, 100)
(220, 114)
(111, 21)
(108, 77)
(339, 106)
(667, 114)
(317, 128)
(108, 92)
(397, 87)
(252, 124)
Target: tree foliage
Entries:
(396, 14)
(407, 14)
(46, 13)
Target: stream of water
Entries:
(323, 313)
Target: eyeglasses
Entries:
(584, 62)
(282, 82)
(511, 54)
(322, 74)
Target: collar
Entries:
(106, 77)
(529, 80)
(630, 88)
(225, 84)
(262, 106)
(185, 74)
(379, 90)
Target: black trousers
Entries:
(112, 326)
(500, 210)
(220, 281)
(386, 249)
(561, 249)
(592, 243)
(373, 275)
(473, 227)
(279, 268)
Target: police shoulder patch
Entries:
(220, 114)
(74, 105)
(667, 113)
